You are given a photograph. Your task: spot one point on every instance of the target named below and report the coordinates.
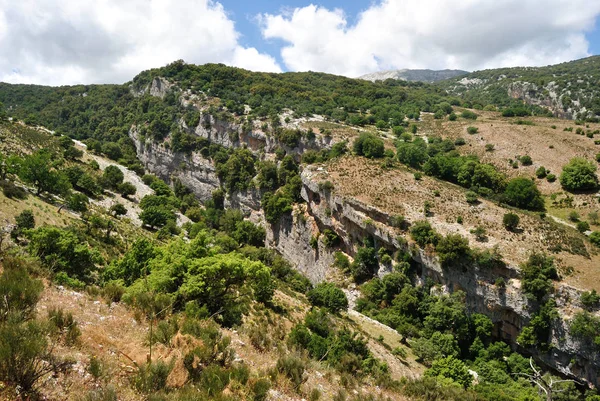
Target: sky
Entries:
(62, 42)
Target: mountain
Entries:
(569, 90)
(203, 203)
(414, 75)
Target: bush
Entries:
(293, 368)
(424, 234)
(61, 250)
(536, 275)
(469, 115)
(260, 389)
(365, 263)
(152, 377)
(524, 194)
(590, 299)
(452, 249)
(118, 210)
(276, 205)
(526, 160)
(579, 175)
(11, 191)
(369, 146)
(24, 351)
(472, 130)
(25, 219)
(541, 172)
(551, 177)
(328, 295)
(595, 238)
(471, 197)
(451, 368)
(126, 189)
(18, 291)
(583, 226)
(510, 221)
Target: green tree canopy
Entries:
(579, 175)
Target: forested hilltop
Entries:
(569, 90)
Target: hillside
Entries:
(300, 236)
(414, 75)
(568, 90)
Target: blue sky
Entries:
(244, 13)
(59, 42)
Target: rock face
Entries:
(509, 309)
(352, 220)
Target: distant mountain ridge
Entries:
(414, 75)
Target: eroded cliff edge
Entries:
(352, 220)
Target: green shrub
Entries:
(451, 368)
(369, 146)
(526, 160)
(260, 389)
(510, 221)
(214, 379)
(586, 327)
(469, 115)
(11, 191)
(595, 238)
(524, 194)
(365, 263)
(452, 249)
(61, 250)
(328, 295)
(590, 299)
(579, 175)
(472, 130)
(24, 350)
(293, 368)
(423, 234)
(541, 172)
(18, 291)
(152, 377)
(583, 226)
(536, 275)
(471, 197)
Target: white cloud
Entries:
(85, 41)
(471, 34)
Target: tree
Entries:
(276, 205)
(536, 275)
(329, 296)
(579, 175)
(156, 216)
(595, 238)
(451, 368)
(118, 210)
(369, 146)
(113, 176)
(25, 220)
(126, 189)
(452, 249)
(37, 169)
(78, 202)
(510, 221)
(424, 234)
(365, 263)
(61, 250)
(523, 193)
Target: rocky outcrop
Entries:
(508, 307)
